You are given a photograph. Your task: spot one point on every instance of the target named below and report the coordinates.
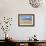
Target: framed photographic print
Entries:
(26, 19)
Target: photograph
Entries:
(26, 19)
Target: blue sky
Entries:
(26, 17)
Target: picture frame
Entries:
(26, 19)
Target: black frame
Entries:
(26, 15)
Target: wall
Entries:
(11, 8)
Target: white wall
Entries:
(11, 8)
